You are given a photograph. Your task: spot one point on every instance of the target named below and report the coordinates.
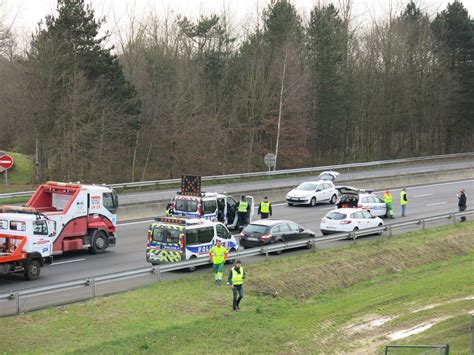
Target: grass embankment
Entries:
(347, 299)
(20, 176)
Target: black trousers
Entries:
(241, 218)
(238, 292)
(263, 215)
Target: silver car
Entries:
(352, 197)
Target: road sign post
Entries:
(6, 162)
(270, 160)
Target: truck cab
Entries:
(25, 243)
(75, 216)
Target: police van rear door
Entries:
(209, 208)
(166, 242)
(250, 200)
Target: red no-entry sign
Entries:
(6, 161)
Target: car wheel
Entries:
(280, 244)
(333, 199)
(32, 270)
(356, 229)
(312, 203)
(192, 268)
(380, 225)
(230, 261)
(310, 244)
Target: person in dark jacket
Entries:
(462, 203)
(265, 208)
(235, 280)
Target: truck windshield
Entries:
(185, 205)
(163, 235)
(109, 202)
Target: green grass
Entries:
(20, 176)
(321, 299)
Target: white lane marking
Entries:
(433, 185)
(436, 204)
(130, 223)
(422, 195)
(276, 204)
(326, 209)
(67, 262)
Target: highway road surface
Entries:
(424, 201)
(235, 188)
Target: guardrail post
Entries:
(156, 270)
(16, 295)
(266, 253)
(472, 333)
(423, 223)
(353, 236)
(92, 284)
(390, 233)
(454, 218)
(313, 242)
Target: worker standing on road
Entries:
(403, 201)
(265, 208)
(169, 209)
(242, 211)
(462, 203)
(387, 196)
(235, 280)
(218, 256)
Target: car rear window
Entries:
(336, 215)
(186, 205)
(256, 228)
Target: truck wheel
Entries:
(32, 270)
(98, 243)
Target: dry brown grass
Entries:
(312, 274)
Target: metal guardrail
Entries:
(15, 302)
(268, 173)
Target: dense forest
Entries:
(195, 96)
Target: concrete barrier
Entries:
(157, 208)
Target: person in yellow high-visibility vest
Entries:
(387, 196)
(403, 201)
(235, 280)
(218, 256)
(265, 208)
(243, 209)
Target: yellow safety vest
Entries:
(265, 207)
(243, 205)
(238, 279)
(402, 198)
(218, 254)
(387, 198)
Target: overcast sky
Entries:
(25, 14)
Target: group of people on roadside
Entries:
(235, 279)
(388, 198)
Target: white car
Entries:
(343, 220)
(361, 198)
(312, 192)
(329, 175)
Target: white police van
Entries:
(212, 206)
(172, 239)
